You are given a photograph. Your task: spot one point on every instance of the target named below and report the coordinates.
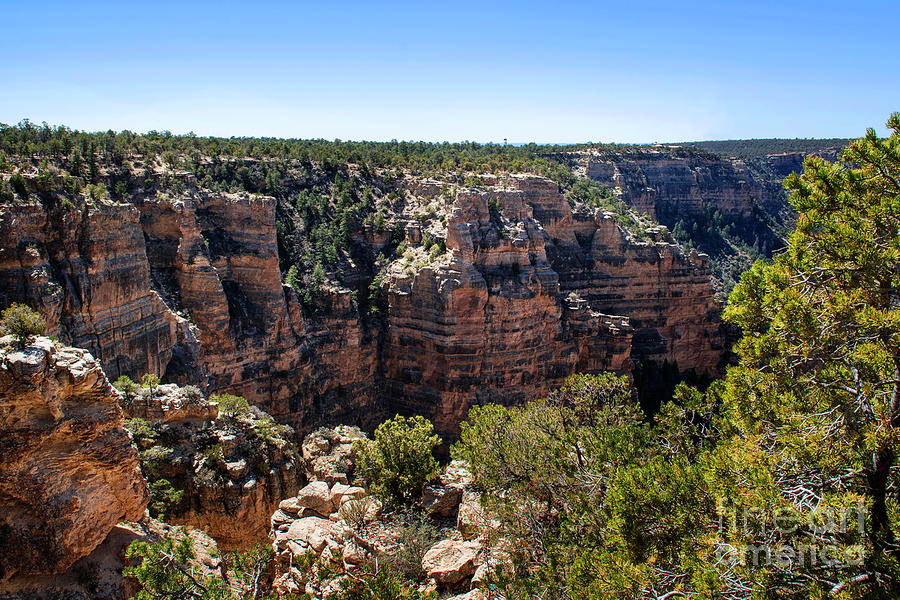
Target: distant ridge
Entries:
(759, 148)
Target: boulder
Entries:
(472, 519)
(341, 493)
(308, 533)
(441, 500)
(450, 561)
(316, 496)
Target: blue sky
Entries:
(546, 72)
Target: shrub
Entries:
(415, 536)
(164, 570)
(22, 322)
(150, 381)
(163, 497)
(267, 430)
(399, 462)
(231, 406)
(141, 431)
(127, 386)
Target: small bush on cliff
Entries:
(163, 497)
(150, 381)
(141, 431)
(127, 386)
(399, 462)
(231, 406)
(22, 322)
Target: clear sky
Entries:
(564, 71)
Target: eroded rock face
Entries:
(531, 293)
(69, 470)
(526, 293)
(232, 470)
(216, 257)
(85, 269)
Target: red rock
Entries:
(69, 471)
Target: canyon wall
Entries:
(85, 269)
(528, 291)
(653, 181)
(697, 187)
(216, 257)
(488, 322)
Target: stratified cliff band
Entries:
(489, 290)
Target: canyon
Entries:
(529, 286)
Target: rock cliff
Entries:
(84, 266)
(494, 291)
(220, 471)
(69, 470)
(215, 259)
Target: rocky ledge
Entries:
(222, 469)
(69, 471)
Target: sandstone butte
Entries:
(189, 287)
(69, 471)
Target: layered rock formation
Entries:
(524, 292)
(657, 182)
(69, 471)
(726, 208)
(85, 268)
(216, 259)
(488, 321)
(231, 470)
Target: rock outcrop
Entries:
(69, 471)
(341, 525)
(530, 293)
(230, 471)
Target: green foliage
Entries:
(165, 570)
(127, 386)
(818, 385)
(415, 535)
(382, 585)
(760, 148)
(150, 381)
(268, 430)
(142, 432)
(777, 482)
(214, 455)
(293, 279)
(163, 497)
(19, 185)
(400, 460)
(20, 321)
(231, 407)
